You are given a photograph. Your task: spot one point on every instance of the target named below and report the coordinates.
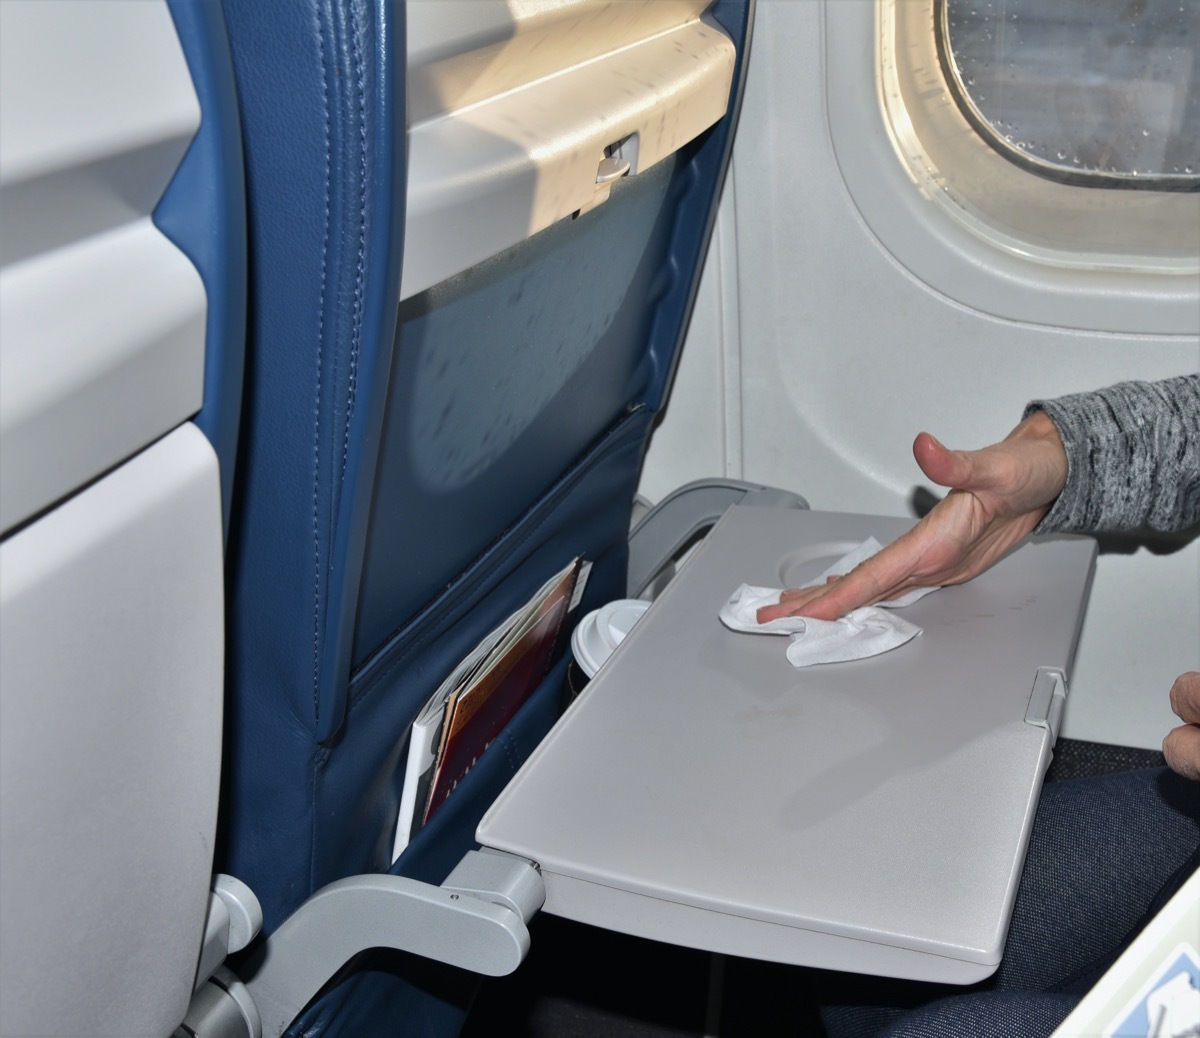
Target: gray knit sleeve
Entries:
(1133, 456)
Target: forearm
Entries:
(1133, 454)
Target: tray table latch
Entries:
(1047, 700)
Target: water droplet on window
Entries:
(1145, 133)
(1061, 155)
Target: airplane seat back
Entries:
(415, 463)
(123, 285)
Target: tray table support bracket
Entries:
(477, 920)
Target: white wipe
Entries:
(864, 632)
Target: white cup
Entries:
(602, 630)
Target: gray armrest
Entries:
(670, 526)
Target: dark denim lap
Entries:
(986, 1014)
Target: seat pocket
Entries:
(360, 772)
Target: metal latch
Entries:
(620, 159)
(611, 168)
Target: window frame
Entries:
(936, 246)
(1013, 209)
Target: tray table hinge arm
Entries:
(477, 920)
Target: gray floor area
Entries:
(582, 982)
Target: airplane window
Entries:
(1089, 113)
(1100, 92)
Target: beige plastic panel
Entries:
(512, 109)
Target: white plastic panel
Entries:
(815, 355)
(101, 350)
(101, 318)
(511, 112)
(870, 815)
(110, 747)
(96, 110)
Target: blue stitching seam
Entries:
(312, 850)
(320, 366)
(359, 291)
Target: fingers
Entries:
(790, 603)
(877, 579)
(1181, 747)
(894, 570)
(863, 585)
(807, 593)
(816, 603)
(1185, 697)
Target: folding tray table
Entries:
(870, 816)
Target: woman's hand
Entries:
(999, 495)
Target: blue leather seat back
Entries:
(504, 377)
(321, 96)
(412, 471)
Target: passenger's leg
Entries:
(1101, 851)
(986, 1014)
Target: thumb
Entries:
(945, 467)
